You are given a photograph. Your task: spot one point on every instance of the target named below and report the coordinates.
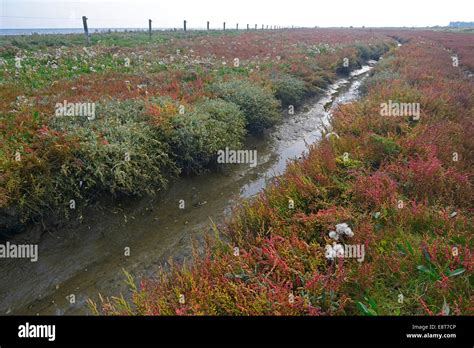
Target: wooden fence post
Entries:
(224, 26)
(207, 25)
(86, 30)
(184, 25)
(149, 28)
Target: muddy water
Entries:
(87, 259)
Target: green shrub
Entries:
(289, 90)
(364, 51)
(258, 104)
(196, 137)
(117, 152)
(29, 189)
(383, 75)
(373, 51)
(387, 145)
(8, 51)
(75, 159)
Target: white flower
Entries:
(333, 235)
(344, 229)
(349, 232)
(341, 228)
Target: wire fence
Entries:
(185, 26)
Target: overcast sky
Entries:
(170, 13)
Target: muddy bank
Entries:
(86, 259)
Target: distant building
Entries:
(462, 24)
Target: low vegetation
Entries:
(398, 187)
(163, 106)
